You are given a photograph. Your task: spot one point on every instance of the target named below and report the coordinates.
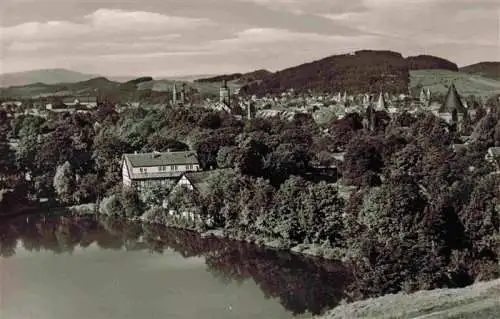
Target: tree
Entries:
(363, 161)
(250, 157)
(131, 203)
(65, 183)
(226, 156)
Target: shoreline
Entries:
(305, 250)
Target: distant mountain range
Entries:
(57, 76)
(360, 71)
(47, 76)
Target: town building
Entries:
(85, 101)
(178, 97)
(149, 169)
(452, 110)
(12, 104)
(194, 181)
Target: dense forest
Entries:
(360, 72)
(420, 215)
(428, 62)
(239, 77)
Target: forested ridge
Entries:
(360, 72)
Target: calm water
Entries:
(61, 268)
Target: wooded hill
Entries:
(429, 62)
(486, 69)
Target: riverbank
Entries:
(307, 250)
(478, 301)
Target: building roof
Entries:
(162, 159)
(199, 179)
(81, 99)
(452, 102)
(494, 152)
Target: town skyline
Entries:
(174, 38)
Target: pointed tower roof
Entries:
(452, 102)
(381, 105)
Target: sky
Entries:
(186, 37)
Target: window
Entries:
(163, 168)
(189, 167)
(174, 167)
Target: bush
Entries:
(110, 206)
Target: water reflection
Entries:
(301, 285)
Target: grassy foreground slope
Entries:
(479, 301)
(467, 84)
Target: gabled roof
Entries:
(452, 102)
(161, 159)
(199, 179)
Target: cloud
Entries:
(120, 20)
(43, 31)
(101, 23)
(310, 6)
(122, 37)
(427, 22)
(273, 36)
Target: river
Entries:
(88, 268)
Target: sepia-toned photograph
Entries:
(249, 159)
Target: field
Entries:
(466, 84)
(479, 301)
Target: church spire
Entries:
(452, 102)
(381, 106)
(174, 94)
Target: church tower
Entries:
(453, 109)
(224, 93)
(381, 105)
(174, 94)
